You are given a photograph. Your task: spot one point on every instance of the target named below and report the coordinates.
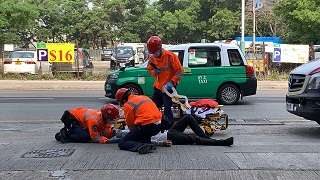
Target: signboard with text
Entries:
(257, 4)
(55, 52)
(290, 53)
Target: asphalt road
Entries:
(49, 105)
(269, 143)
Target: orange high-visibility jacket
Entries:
(141, 110)
(170, 69)
(91, 121)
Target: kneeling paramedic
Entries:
(85, 125)
(143, 119)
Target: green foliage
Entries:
(301, 19)
(99, 23)
(17, 21)
(224, 24)
(273, 75)
(57, 76)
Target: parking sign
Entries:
(55, 52)
(277, 54)
(257, 4)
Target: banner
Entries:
(55, 52)
(290, 53)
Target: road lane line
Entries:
(24, 98)
(29, 121)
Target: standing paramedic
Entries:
(167, 69)
(143, 119)
(85, 125)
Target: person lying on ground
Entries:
(176, 136)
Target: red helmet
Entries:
(110, 111)
(120, 93)
(153, 44)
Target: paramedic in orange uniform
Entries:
(167, 69)
(143, 119)
(83, 124)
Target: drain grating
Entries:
(48, 153)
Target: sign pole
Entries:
(78, 74)
(254, 37)
(242, 42)
(2, 64)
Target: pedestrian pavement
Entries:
(97, 85)
(269, 152)
(29, 150)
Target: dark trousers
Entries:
(160, 99)
(176, 135)
(77, 134)
(137, 137)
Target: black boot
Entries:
(58, 136)
(147, 148)
(213, 142)
(227, 142)
(64, 135)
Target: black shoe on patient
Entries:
(147, 148)
(228, 142)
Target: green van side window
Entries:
(234, 57)
(204, 58)
(213, 59)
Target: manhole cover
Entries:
(48, 153)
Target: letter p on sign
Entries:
(277, 55)
(42, 54)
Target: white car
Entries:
(25, 62)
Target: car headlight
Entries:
(314, 82)
(113, 76)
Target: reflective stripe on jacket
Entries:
(91, 121)
(141, 110)
(170, 69)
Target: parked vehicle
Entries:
(106, 54)
(122, 54)
(138, 49)
(81, 56)
(260, 64)
(303, 96)
(211, 70)
(25, 62)
(316, 51)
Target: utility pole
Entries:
(2, 64)
(254, 37)
(242, 42)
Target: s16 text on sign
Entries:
(55, 52)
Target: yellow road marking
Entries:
(29, 121)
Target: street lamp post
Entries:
(242, 42)
(254, 37)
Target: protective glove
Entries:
(156, 71)
(169, 85)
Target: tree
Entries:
(301, 20)
(225, 24)
(49, 28)
(17, 22)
